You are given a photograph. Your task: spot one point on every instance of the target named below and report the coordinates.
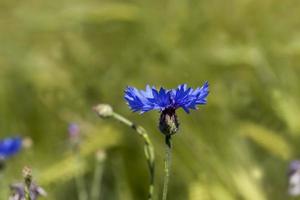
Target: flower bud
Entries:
(103, 110)
(27, 174)
(27, 143)
(100, 155)
(168, 123)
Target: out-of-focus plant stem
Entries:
(27, 193)
(98, 174)
(2, 178)
(82, 193)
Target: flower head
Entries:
(10, 146)
(167, 101)
(162, 99)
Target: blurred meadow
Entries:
(60, 58)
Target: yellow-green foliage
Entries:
(67, 168)
(268, 139)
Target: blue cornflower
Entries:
(10, 146)
(166, 101)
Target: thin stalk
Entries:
(27, 193)
(2, 184)
(82, 193)
(167, 167)
(96, 186)
(27, 182)
(148, 149)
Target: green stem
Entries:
(27, 189)
(82, 193)
(167, 167)
(27, 193)
(96, 186)
(2, 183)
(148, 149)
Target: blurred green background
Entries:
(60, 58)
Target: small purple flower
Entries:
(167, 101)
(294, 178)
(18, 191)
(73, 130)
(10, 147)
(74, 135)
